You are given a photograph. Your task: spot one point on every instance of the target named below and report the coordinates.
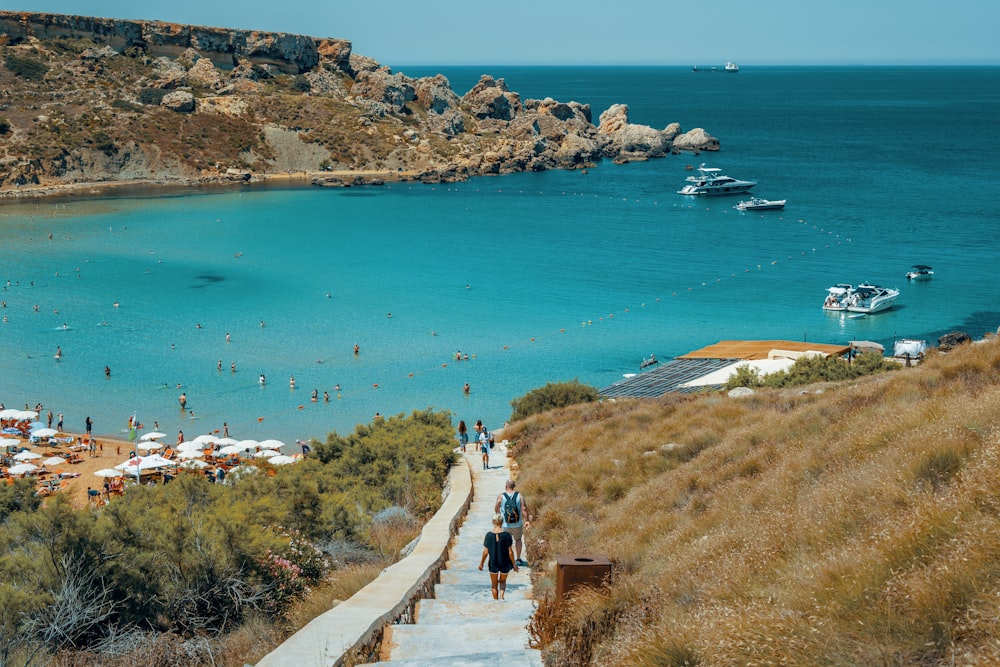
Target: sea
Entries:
(507, 283)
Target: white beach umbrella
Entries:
(271, 444)
(108, 472)
(54, 461)
(9, 442)
(227, 441)
(148, 445)
(266, 454)
(26, 456)
(152, 435)
(280, 460)
(249, 445)
(10, 413)
(231, 449)
(190, 454)
(151, 462)
(194, 464)
(43, 432)
(25, 415)
(190, 446)
(22, 468)
(206, 439)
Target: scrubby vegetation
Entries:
(26, 67)
(194, 573)
(855, 523)
(811, 369)
(553, 395)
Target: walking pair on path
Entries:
(509, 520)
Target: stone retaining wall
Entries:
(353, 629)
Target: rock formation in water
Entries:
(89, 100)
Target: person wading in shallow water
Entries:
(498, 547)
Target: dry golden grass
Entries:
(853, 524)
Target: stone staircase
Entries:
(462, 625)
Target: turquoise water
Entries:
(537, 277)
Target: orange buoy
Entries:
(301, 407)
(260, 419)
(410, 375)
(444, 365)
(375, 385)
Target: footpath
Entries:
(434, 607)
(462, 625)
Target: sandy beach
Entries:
(109, 454)
(108, 188)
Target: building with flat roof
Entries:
(709, 368)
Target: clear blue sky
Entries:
(588, 32)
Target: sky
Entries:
(592, 32)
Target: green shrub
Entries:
(151, 96)
(26, 68)
(745, 376)
(125, 105)
(104, 143)
(553, 395)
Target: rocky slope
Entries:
(90, 100)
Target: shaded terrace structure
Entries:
(683, 373)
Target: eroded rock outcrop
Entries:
(275, 103)
(288, 53)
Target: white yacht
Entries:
(711, 181)
(865, 298)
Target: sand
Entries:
(109, 454)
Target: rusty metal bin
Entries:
(574, 570)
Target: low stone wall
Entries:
(353, 629)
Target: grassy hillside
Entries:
(849, 524)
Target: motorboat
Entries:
(836, 298)
(920, 272)
(711, 181)
(758, 204)
(865, 298)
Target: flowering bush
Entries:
(284, 581)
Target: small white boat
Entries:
(920, 272)
(865, 298)
(711, 181)
(758, 204)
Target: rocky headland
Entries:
(88, 100)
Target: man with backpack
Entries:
(514, 510)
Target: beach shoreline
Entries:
(103, 189)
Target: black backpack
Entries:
(511, 509)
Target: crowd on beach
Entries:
(56, 460)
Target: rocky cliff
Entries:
(86, 100)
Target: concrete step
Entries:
(472, 575)
(517, 589)
(430, 640)
(513, 658)
(466, 611)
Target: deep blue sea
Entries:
(538, 277)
